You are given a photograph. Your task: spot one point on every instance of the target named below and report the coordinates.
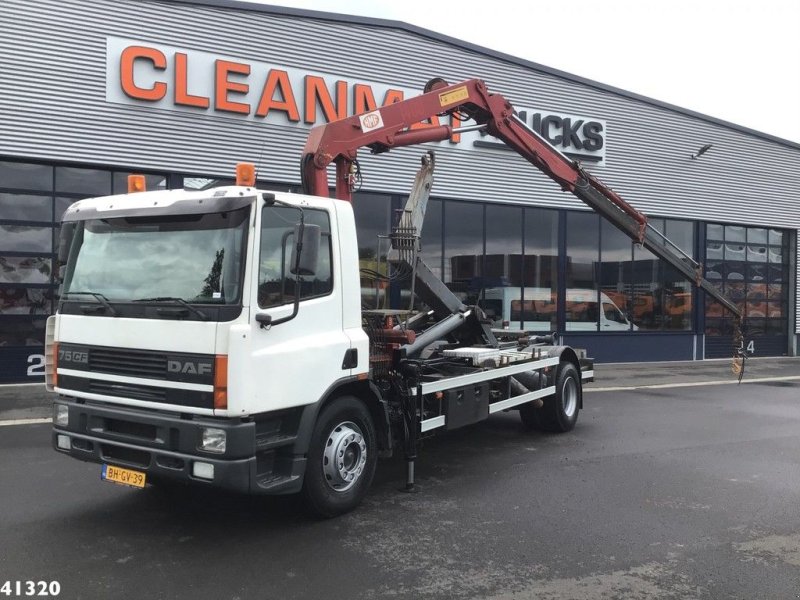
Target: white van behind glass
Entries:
(537, 311)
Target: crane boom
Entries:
(398, 124)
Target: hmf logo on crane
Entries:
(165, 77)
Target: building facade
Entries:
(182, 91)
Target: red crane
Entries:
(392, 126)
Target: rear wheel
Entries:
(341, 459)
(560, 411)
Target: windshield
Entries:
(194, 258)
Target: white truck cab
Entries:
(161, 353)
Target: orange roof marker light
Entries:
(136, 183)
(246, 174)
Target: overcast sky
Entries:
(732, 59)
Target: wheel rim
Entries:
(345, 456)
(569, 397)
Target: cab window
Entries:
(276, 282)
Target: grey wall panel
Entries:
(52, 102)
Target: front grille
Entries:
(128, 390)
(131, 428)
(152, 365)
(138, 458)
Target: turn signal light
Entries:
(136, 183)
(220, 382)
(246, 174)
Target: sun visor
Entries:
(112, 207)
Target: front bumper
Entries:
(166, 446)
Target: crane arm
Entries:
(398, 124)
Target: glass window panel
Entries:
(502, 277)
(775, 254)
(776, 310)
(714, 271)
(735, 271)
(431, 251)
(62, 204)
(26, 207)
(775, 237)
(21, 332)
(647, 290)
(776, 291)
(539, 271)
(26, 238)
(26, 176)
(756, 309)
(757, 235)
(372, 220)
(25, 301)
(153, 181)
(204, 183)
(680, 233)
(756, 253)
(463, 249)
(715, 250)
(29, 269)
(615, 278)
(715, 232)
(756, 272)
(76, 180)
(756, 291)
(583, 243)
(735, 233)
(735, 251)
(677, 306)
(540, 265)
(776, 274)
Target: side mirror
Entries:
(309, 253)
(264, 320)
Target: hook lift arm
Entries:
(396, 125)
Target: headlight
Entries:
(60, 415)
(213, 440)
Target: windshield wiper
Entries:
(97, 296)
(180, 301)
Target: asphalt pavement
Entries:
(659, 493)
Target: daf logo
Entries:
(188, 367)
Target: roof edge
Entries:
(440, 37)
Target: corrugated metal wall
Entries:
(52, 106)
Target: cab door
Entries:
(295, 362)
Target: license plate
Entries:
(123, 476)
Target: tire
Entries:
(344, 433)
(560, 411)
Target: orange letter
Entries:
(127, 60)
(432, 121)
(182, 96)
(316, 90)
(392, 96)
(363, 99)
(455, 138)
(223, 86)
(278, 80)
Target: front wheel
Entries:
(341, 459)
(560, 411)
